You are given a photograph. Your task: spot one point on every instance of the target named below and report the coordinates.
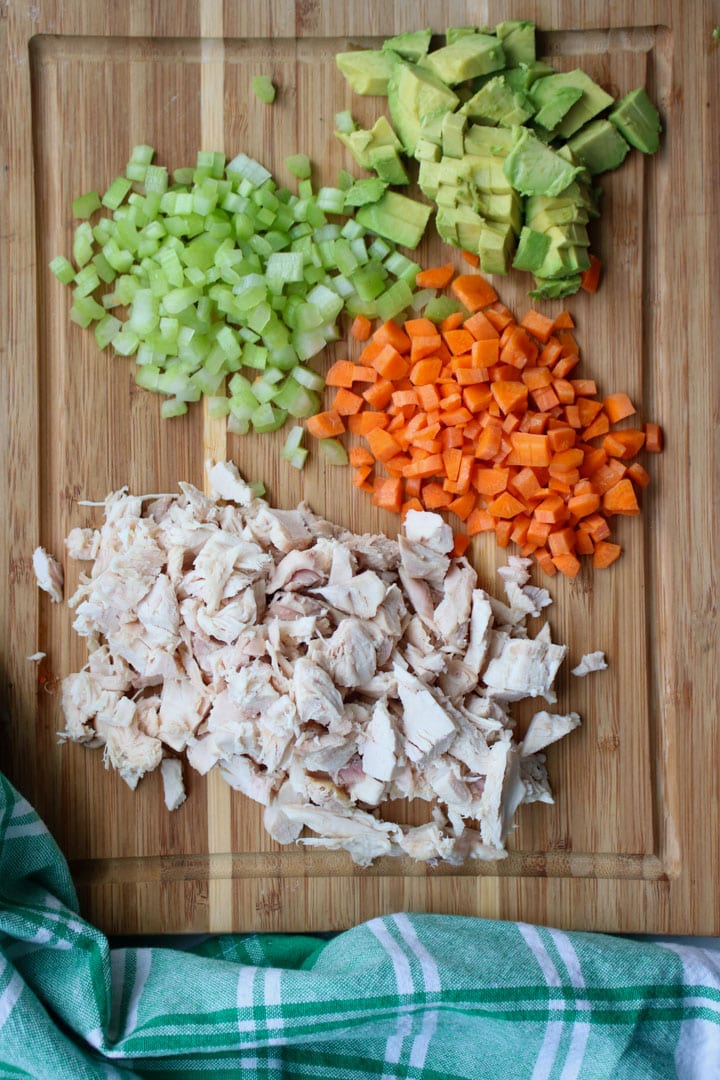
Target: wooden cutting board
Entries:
(632, 841)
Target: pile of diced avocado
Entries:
(507, 147)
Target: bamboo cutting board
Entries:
(632, 841)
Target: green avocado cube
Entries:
(497, 242)
(570, 235)
(411, 45)
(426, 150)
(454, 33)
(503, 208)
(414, 93)
(362, 142)
(468, 56)
(431, 126)
(593, 100)
(367, 70)
(453, 131)
(518, 41)
(396, 217)
(552, 113)
(497, 103)
(571, 214)
(460, 226)
(638, 121)
(387, 163)
(532, 248)
(480, 139)
(555, 290)
(521, 78)
(534, 169)
(599, 146)
(429, 179)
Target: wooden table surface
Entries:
(632, 841)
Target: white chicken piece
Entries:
(533, 773)
(226, 483)
(453, 612)
(420, 651)
(481, 621)
(182, 707)
(426, 842)
(220, 556)
(593, 661)
(243, 774)
(379, 744)
(202, 754)
(343, 565)
(319, 790)
(82, 699)
(226, 622)
(430, 530)
(203, 508)
(360, 596)
(147, 717)
(49, 574)
(356, 831)
(521, 603)
(444, 778)
(419, 597)
(316, 696)
(503, 791)
(278, 826)
(121, 713)
(428, 728)
(350, 654)
(423, 563)
(82, 544)
(131, 753)
(524, 668)
(302, 569)
(283, 529)
(373, 552)
(160, 615)
(517, 570)
(546, 728)
(359, 786)
(173, 786)
(328, 751)
(389, 622)
(252, 687)
(110, 671)
(130, 573)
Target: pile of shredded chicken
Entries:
(321, 671)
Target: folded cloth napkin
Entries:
(406, 996)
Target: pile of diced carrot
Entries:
(480, 416)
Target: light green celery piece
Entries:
(333, 451)
(85, 205)
(116, 193)
(62, 268)
(263, 89)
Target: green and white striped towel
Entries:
(407, 996)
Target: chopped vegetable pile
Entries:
(219, 269)
(507, 147)
(321, 672)
(480, 416)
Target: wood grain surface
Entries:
(633, 839)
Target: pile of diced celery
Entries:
(220, 283)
